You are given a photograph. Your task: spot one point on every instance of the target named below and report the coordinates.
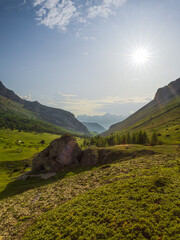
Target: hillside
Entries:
(14, 116)
(128, 199)
(94, 127)
(162, 113)
(10, 102)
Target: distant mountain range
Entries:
(12, 103)
(163, 112)
(105, 120)
(94, 127)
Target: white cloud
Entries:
(66, 95)
(100, 11)
(38, 2)
(28, 97)
(105, 9)
(60, 13)
(55, 13)
(93, 106)
(114, 2)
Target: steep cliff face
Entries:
(51, 115)
(164, 106)
(168, 92)
(10, 94)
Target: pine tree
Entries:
(134, 138)
(154, 139)
(128, 138)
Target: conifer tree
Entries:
(154, 139)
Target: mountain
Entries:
(105, 120)
(34, 110)
(94, 127)
(162, 112)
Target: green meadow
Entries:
(17, 150)
(136, 196)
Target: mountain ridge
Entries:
(94, 127)
(165, 97)
(51, 115)
(105, 120)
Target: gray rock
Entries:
(61, 152)
(89, 157)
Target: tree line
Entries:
(10, 120)
(140, 137)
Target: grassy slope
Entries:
(165, 119)
(126, 197)
(27, 118)
(9, 105)
(142, 203)
(13, 153)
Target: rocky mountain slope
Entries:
(162, 110)
(51, 115)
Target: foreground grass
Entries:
(134, 207)
(130, 199)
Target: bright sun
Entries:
(140, 56)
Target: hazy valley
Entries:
(117, 161)
(89, 120)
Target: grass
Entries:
(17, 150)
(157, 149)
(15, 147)
(18, 108)
(145, 207)
(164, 119)
(136, 197)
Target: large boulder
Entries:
(61, 152)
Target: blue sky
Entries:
(77, 55)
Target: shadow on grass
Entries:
(20, 186)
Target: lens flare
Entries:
(140, 56)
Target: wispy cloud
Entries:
(105, 9)
(28, 97)
(78, 106)
(61, 13)
(55, 13)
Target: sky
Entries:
(89, 57)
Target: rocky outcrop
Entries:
(10, 94)
(61, 152)
(90, 157)
(144, 115)
(65, 151)
(168, 92)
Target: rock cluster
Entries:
(65, 151)
(61, 152)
